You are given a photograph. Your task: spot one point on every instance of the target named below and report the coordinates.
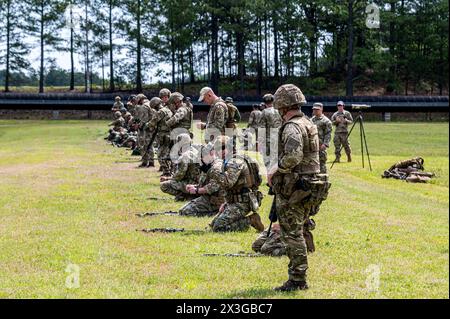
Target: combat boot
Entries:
(292, 285)
(349, 158)
(255, 222)
(143, 164)
(337, 160)
(150, 164)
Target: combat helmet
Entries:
(140, 98)
(268, 98)
(117, 114)
(287, 96)
(164, 92)
(117, 98)
(229, 99)
(154, 102)
(175, 97)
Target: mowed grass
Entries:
(68, 197)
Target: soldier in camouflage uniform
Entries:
(272, 246)
(324, 128)
(144, 112)
(164, 95)
(158, 125)
(254, 122)
(211, 197)
(242, 195)
(233, 114)
(117, 104)
(294, 182)
(131, 104)
(119, 121)
(217, 117)
(183, 117)
(342, 119)
(186, 170)
(270, 121)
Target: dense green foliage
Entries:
(398, 47)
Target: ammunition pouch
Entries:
(305, 190)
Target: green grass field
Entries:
(67, 197)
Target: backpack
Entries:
(254, 178)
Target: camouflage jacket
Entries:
(117, 106)
(342, 121)
(235, 175)
(217, 116)
(118, 123)
(159, 121)
(254, 120)
(186, 167)
(298, 146)
(233, 113)
(182, 118)
(324, 128)
(211, 182)
(270, 118)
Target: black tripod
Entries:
(362, 136)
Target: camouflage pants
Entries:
(339, 140)
(148, 151)
(199, 207)
(174, 187)
(272, 246)
(323, 156)
(233, 218)
(164, 154)
(292, 218)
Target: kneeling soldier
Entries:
(240, 179)
(208, 189)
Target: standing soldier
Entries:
(240, 179)
(293, 180)
(145, 113)
(270, 121)
(254, 122)
(324, 128)
(233, 113)
(161, 132)
(131, 104)
(217, 116)
(341, 119)
(164, 95)
(183, 116)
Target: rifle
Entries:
(156, 213)
(240, 254)
(171, 230)
(273, 211)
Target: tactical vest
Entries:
(167, 114)
(310, 163)
(186, 122)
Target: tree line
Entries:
(401, 44)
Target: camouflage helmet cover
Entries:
(268, 98)
(287, 96)
(164, 92)
(117, 98)
(175, 97)
(117, 114)
(154, 102)
(140, 98)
